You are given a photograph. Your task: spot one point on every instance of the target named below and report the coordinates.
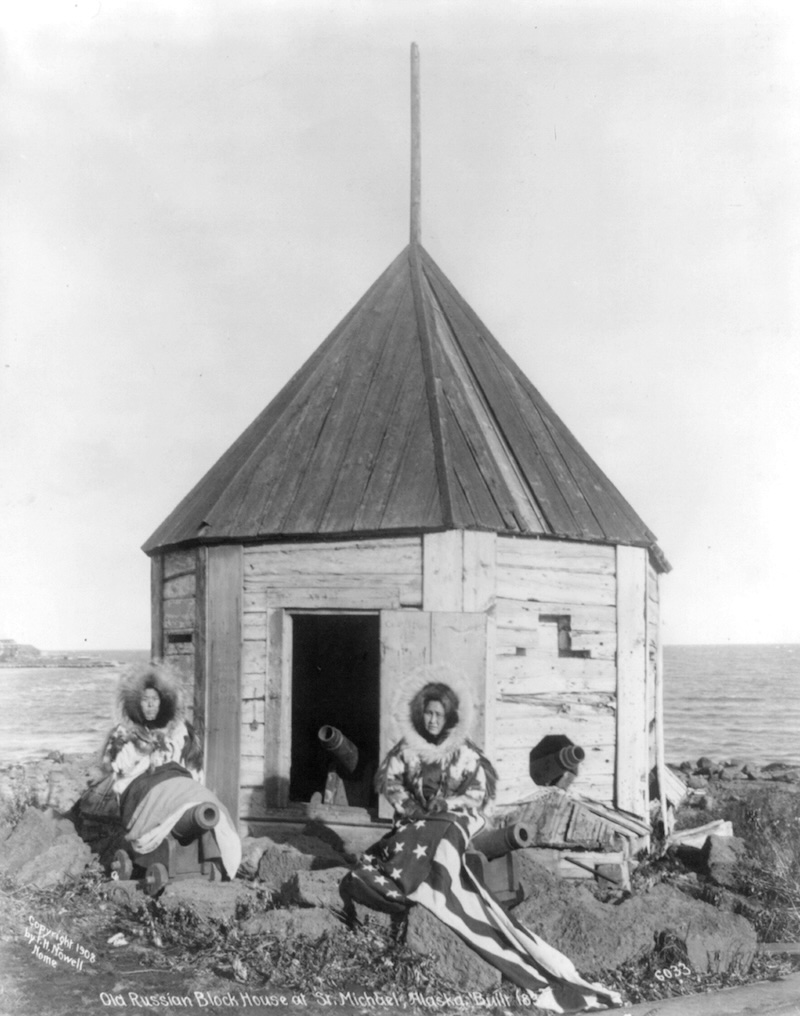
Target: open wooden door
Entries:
(409, 639)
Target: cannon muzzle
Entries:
(196, 821)
(549, 767)
(344, 752)
(498, 842)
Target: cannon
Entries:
(491, 860)
(344, 753)
(190, 850)
(349, 779)
(554, 761)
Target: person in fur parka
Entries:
(435, 767)
(152, 724)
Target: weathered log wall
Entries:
(175, 625)
(559, 638)
(555, 670)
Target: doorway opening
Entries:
(335, 684)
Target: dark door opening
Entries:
(335, 683)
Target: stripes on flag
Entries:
(423, 862)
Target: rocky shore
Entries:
(697, 916)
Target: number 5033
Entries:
(673, 973)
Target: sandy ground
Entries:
(766, 998)
(29, 987)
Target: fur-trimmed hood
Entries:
(135, 680)
(408, 703)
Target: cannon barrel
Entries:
(498, 842)
(196, 821)
(548, 769)
(344, 752)
(571, 757)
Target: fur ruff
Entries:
(150, 675)
(410, 688)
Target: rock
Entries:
(568, 917)
(211, 901)
(721, 857)
(280, 860)
(67, 858)
(123, 890)
(252, 851)
(598, 936)
(455, 962)
(714, 941)
(697, 782)
(33, 835)
(57, 781)
(751, 771)
(391, 926)
(303, 923)
(315, 888)
(730, 773)
(706, 766)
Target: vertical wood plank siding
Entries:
(156, 606)
(175, 590)
(653, 642)
(539, 692)
(223, 633)
(632, 732)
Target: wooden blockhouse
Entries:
(409, 497)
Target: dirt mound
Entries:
(602, 936)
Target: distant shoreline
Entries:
(65, 663)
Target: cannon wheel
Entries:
(156, 877)
(122, 865)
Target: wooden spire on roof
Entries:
(409, 417)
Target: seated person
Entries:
(152, 716)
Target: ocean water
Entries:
(721, 701)
(732, 702)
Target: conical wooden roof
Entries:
(408, 417)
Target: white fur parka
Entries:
(466, 778)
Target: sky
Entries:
(192, 194)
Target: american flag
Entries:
(422, 862)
